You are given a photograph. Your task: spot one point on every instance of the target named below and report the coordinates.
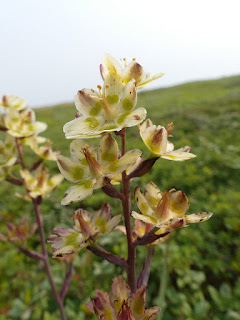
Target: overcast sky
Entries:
(52, 48)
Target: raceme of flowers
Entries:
(18, 119)
(87, 228)
(19, 232)
(92, 168)
(121, 303)
(8, 156)
(39, 183)
(166, 211)
(156, 140)
(112, 107)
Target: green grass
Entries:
(203, 260)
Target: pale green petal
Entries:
(120, 291)
(72, 172)
(152, 194)
(146, 219)
(142, 202)
(76, 152)
(198, 217)
(108, 149)
(82, 127)
(149, 79)
(129, 98)
(177, 155)
(110, 65)
(78, 192)
(111, 224)
(131, 119)
(126, 161)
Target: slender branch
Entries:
(112, 192)
(149, 238)
(15, 181)
(19, 149)
(36, 204)
(144, 167)
(126, 204)
(36, 164)
(66, 282)
(31, 253)
(145, 272)
(110, 257)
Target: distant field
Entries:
(203, 260)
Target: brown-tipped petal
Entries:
(152, 194)
(133, 71)
(163, 206)
(179, 204)
(120, 291)
(151, 313)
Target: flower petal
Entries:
(151, 313)
(120, 291)
(149, 79)
(177, 155)
(129, 97)
(198, 217)
(108, 149)
(138, 302)
(126, 161)
(78, 192)
(152, 194)
(131, 119)
(72, 172)
(179, 204)
(142, 202)
(144, 218)
(83, 127)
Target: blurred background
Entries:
(51, 49)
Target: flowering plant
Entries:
(103, 113)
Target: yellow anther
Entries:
(99, 87)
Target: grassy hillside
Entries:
(202, 262)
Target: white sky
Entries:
(52, 48)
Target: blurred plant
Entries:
(110, 110)
(21, 130)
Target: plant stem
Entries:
(19, 149)
(145, 272)
(110, 257)
(66, 282)
(163, 283)
(126, 204)
(36, 205)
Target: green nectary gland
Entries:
(92, 122)
(127, 104)
(112, 99)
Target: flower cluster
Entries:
(92, 168)
(156, 140)
(87, 228)
(39, 183)
(166, 211)
(112, 107)
(121, 303)
(8, 156)
(20, 232)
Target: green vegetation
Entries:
(202, 262)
